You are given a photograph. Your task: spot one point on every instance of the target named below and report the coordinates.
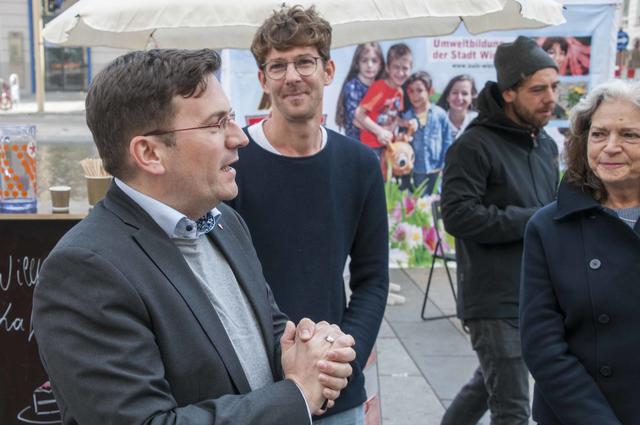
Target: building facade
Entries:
(66, 68)
(631, 19)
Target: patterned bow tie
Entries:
(206, 223)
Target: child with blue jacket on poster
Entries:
(434, 133)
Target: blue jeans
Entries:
(500, 383)
(354, 416)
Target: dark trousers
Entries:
(500, 383)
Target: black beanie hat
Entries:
(517, 60)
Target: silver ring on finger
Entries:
(329, 339)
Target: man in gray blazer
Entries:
(154, 309)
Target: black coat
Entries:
(580, 313)
(496, 176)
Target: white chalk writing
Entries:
(26, 273)
(20, 272)
(9, 323)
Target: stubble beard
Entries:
(293, 113)
(529, 118)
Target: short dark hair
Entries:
(134, 95)
(291, 27)
(397, 51)
(550, 41)
(575, 153)
(423, 76)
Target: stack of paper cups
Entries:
(97, 188)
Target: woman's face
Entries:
(369, 64)
(613, 147)
(558, 55)
(460, 96)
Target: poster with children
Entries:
(457, 66)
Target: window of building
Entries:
(65, 69)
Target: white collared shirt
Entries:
(173, 222)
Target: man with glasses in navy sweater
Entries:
(312, 197)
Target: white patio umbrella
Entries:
(140, 24)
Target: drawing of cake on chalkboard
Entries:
(43, 410)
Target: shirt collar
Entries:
(172, 222)
(572, 199)
(256, 131)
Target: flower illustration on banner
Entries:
(423, 205)
(430, 239)
(412, 237)
(414, 240)
(574, 94)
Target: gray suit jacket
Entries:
(128, 336)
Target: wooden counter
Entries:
(42, 216)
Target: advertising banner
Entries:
(583, 47)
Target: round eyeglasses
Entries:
(304, 66)
(222, 124)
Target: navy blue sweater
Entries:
(306, 215)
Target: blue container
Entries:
(18, 184)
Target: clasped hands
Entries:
(316, 357)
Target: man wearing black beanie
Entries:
(498, 173)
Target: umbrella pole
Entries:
(39, 52)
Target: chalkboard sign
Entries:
(25, 241)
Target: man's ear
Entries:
(263, 81)
(329, 72)
(509, 95)
(149, 154)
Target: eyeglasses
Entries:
(222, 124)
(304, 65)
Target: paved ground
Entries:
(421, 364)
(62, 122)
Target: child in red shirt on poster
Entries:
(379, 110)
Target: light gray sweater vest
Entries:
(220, 284)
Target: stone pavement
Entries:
(55, 103)
(422, 364)
(62, 122)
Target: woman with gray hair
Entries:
(580, 293)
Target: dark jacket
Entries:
(128, 335)
(579, 313)
(496, 176)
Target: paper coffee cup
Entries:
(60, 198)
(97, 188)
